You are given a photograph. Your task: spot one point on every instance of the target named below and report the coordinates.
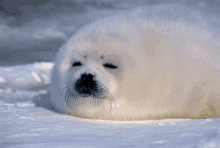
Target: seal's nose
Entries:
(86, 85)
(87, 79)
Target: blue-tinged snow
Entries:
(26, 118)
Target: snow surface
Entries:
(26, 117)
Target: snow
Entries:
(26, 117)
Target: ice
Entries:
(25, 76)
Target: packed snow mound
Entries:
(25, 76)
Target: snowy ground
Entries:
(28, 44)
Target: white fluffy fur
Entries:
(168, 66)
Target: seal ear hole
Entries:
(109, 65)
(77, 64)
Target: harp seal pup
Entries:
(149, 63)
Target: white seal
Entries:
(150, 63)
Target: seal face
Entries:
(150, 63)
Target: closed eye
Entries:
(77, 64)
(109, 65)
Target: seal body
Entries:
(150, 63)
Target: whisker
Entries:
(101, 97)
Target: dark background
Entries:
(33, 30)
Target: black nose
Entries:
(86, 85)
(87, 79)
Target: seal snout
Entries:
(86, 85)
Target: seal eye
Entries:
(109, 65)
(77, 64)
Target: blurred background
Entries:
(33, 30)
